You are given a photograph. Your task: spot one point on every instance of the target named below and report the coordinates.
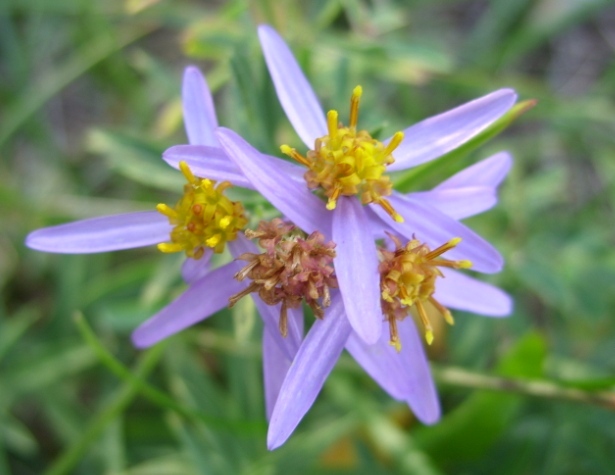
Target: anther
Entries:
(169, 247)
(448, 317)
(225, 222)
(166, 210)
(185, 169)
(390, 210)
(443, 248)
(292, 153)
(394, 143)
(332, 123)
(332, 202)
(354, 106)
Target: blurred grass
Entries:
(90, 98)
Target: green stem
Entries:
(110, 411)
(153, 394)
(543, 389)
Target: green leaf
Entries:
(135, 159)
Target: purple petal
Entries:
(459, 203)
(194, 269)
(199, 112)
(276, 362)
(107, 233)
(404, 375)
(459, 291)
(294, 91)
(206, 162)
(202, 299)
(271, 314)
(275, 366)
(306, 376)
(442, 133)
(431, 226)
(489, 172)
(291, 198)
(356, 267)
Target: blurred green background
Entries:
(90, 97)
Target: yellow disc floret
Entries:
(202, 218)
(408, 280)
(348, 162)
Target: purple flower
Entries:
(354, 318)
(404, 374)
(402, 371)
(343, 218)
(181, 228)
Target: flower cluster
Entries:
(362, 256)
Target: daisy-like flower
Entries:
(203, 222)
(412, 277)
(347, 166)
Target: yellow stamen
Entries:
(425, 321)
(394, 143)
(225, 222)
(332, 123)
(448, 317)
(395, 344)
(292, 153)
(463, 264)
(443, 248)
(166, 210)
(354, 106)
(169, 247)
(386, 205)
(185, 169)
(332, 202)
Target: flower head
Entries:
(203, 217)
(408, 280)
(293, 269)
(348, 162)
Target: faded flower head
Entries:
(202, 218)
(293, 268)
(408, 280)
(348, 162)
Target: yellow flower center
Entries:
(202, 218)
(408, 280)
(350, 162)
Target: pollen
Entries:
(408, 278)
(349, 162)
(294, 268)
(203, 218)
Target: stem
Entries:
(543, 389)
(109, 412)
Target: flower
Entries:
(204, 221)
(431, 215)
(361, 171)
(400, 369)
(404, 372)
